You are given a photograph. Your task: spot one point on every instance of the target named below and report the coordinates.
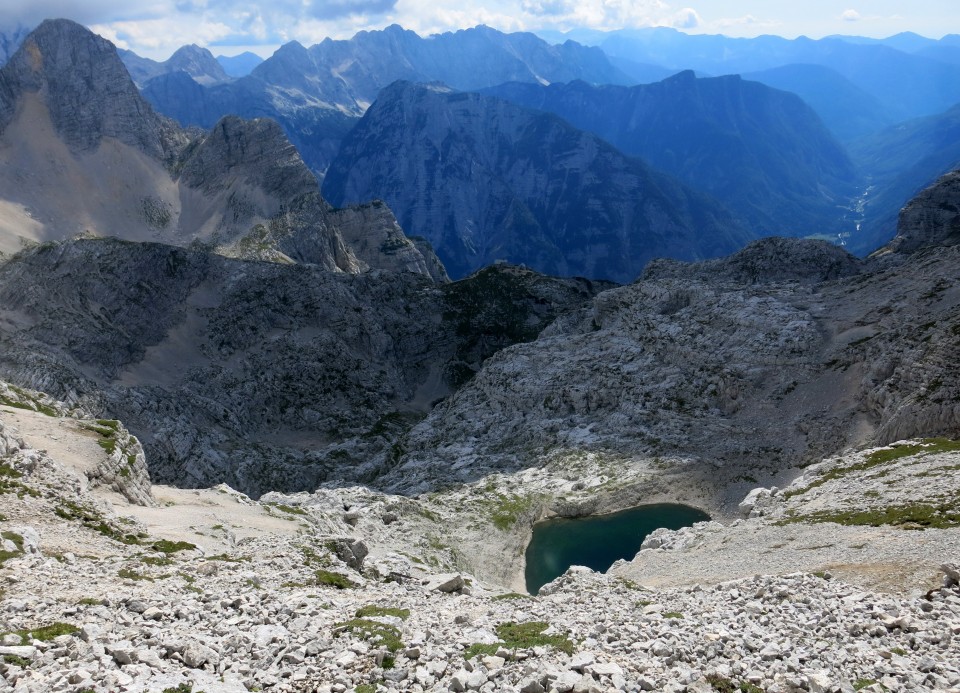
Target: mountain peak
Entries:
(84, 85)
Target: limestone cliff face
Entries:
(265, 376)
(931, 219)
(779, 354)
(483, 179)
(84, 153)
(373, 234)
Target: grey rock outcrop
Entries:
(103, 104)
(265, 376)
(781, 353)
(931, 219)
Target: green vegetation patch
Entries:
(722, 684)
(326, 577)
(909, 516)
(289, 509)
(27, 401)
(518, 636)
(131, 574)
(166, 546)
(17, 541)
(10, 482)
(507, 510)
(45, 633)
(91, 519)
(374, 610)
(510, 595)
(374, 632)
(928, 446)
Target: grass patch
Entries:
(14, 659)
(156, 560)
(130, 574)
(365, 688)
(9, 482)
(373, 610)
(91, 519)
(45, 633)
(168, 547)
(672, 614)
(326, 577)
(518, 636)
(860, 684)
(722, 684)
(510, 595)
(374, 632)
(90, 601)
(507, 510)
(928, 446)
(910, 516)
(228, 559)
(289, 509)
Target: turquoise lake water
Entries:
(599, 540)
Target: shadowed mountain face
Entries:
(484, 179)
(900, 162)
(846, 109)
(762, 152)
(82, 152)
(10, 40)
(317, 93)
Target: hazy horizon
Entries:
(156, 28)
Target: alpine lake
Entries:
(597, 541)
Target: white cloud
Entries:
(687, 18)
(850, 16)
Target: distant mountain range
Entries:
(239, 65)
(193, 60)
(761, 151)
(317, 93)
(483, 179)
(906, 83)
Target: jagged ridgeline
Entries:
(83, 153)
(317, 93)
(483, 179)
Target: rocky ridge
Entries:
(318, 92)
(775, 356)
(93, 601)
(85, 154)
(314, 374)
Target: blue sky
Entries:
(155, 28)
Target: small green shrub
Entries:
(516, 636)
(46, 633)
(166, 546)
(380, 634)
(373, 610)
(325, 577)
(509, 596)
(672, 614)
